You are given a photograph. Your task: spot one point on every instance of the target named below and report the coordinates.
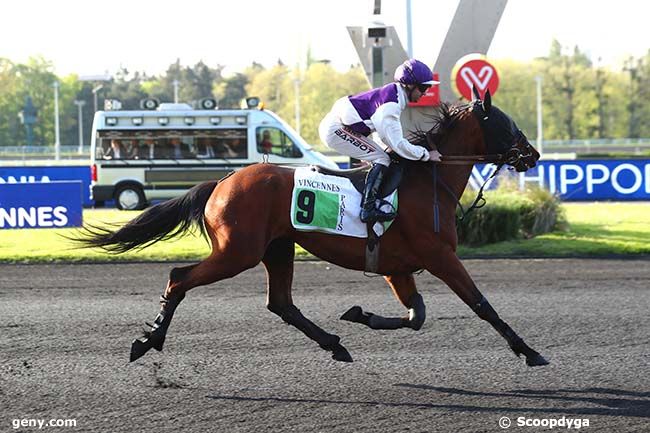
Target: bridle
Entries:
(512, 156)
(515, 156)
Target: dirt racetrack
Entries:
(229, 365)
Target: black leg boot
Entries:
(156, 336)
(369, 211)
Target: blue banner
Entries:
(40, 205)
(9, 175)
(586, 179)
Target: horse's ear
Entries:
(487, 102)
(477, 96)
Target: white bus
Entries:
(140, 156)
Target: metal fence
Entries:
(42, 152)
(618, 145)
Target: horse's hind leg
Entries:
(403, 286)
(278, 261)
(214, 268)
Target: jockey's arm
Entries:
(389, 128)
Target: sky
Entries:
(92, 37)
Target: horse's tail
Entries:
(158, 223)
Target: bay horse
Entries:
(246, 217)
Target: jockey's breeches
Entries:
(340, 138)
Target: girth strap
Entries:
(372, 249)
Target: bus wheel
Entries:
(129, 197)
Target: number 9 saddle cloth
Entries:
(331, 204)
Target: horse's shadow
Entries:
(606, 401)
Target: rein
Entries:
(478, 202)
(465, 159)
(512, 157)
(499, 159)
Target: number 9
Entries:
(306, 203)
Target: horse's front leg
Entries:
(449, 269)
(404, 289)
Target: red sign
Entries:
(479, 73)
(430, 98)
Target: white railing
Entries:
(42, 152)
(631, 145)
(622, 145)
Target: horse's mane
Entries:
(440, 123)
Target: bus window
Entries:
(274, 141)
(222, 144)
(175, 147)
(118, 146)
(172, 144)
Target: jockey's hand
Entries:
(434, 155)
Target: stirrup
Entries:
(376, 215)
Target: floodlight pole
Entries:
(57, 140)
(409, 32)
(296, 86)
(80, 105)
(95, 90)
(540, 133)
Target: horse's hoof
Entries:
(340, 353)
(353, 314)
(139, 347)
(536, 360)
(157, 342)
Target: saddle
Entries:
(357, 177)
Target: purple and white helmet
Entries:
(414, 72)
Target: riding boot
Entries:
(369, 211)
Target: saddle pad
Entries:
(330, 204)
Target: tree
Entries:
(126, 88)
(321, 86)
(231, 90)
(644, 95)
(273, 86)
(637, 94)
(517, 92)
(602, 102)
(36, 80)
(10, 103)
(567, 77)
(580, 100)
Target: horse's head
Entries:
(502, 136)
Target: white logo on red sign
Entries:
(479, 73)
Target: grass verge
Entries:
(595, 229)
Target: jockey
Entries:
(353, 118)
